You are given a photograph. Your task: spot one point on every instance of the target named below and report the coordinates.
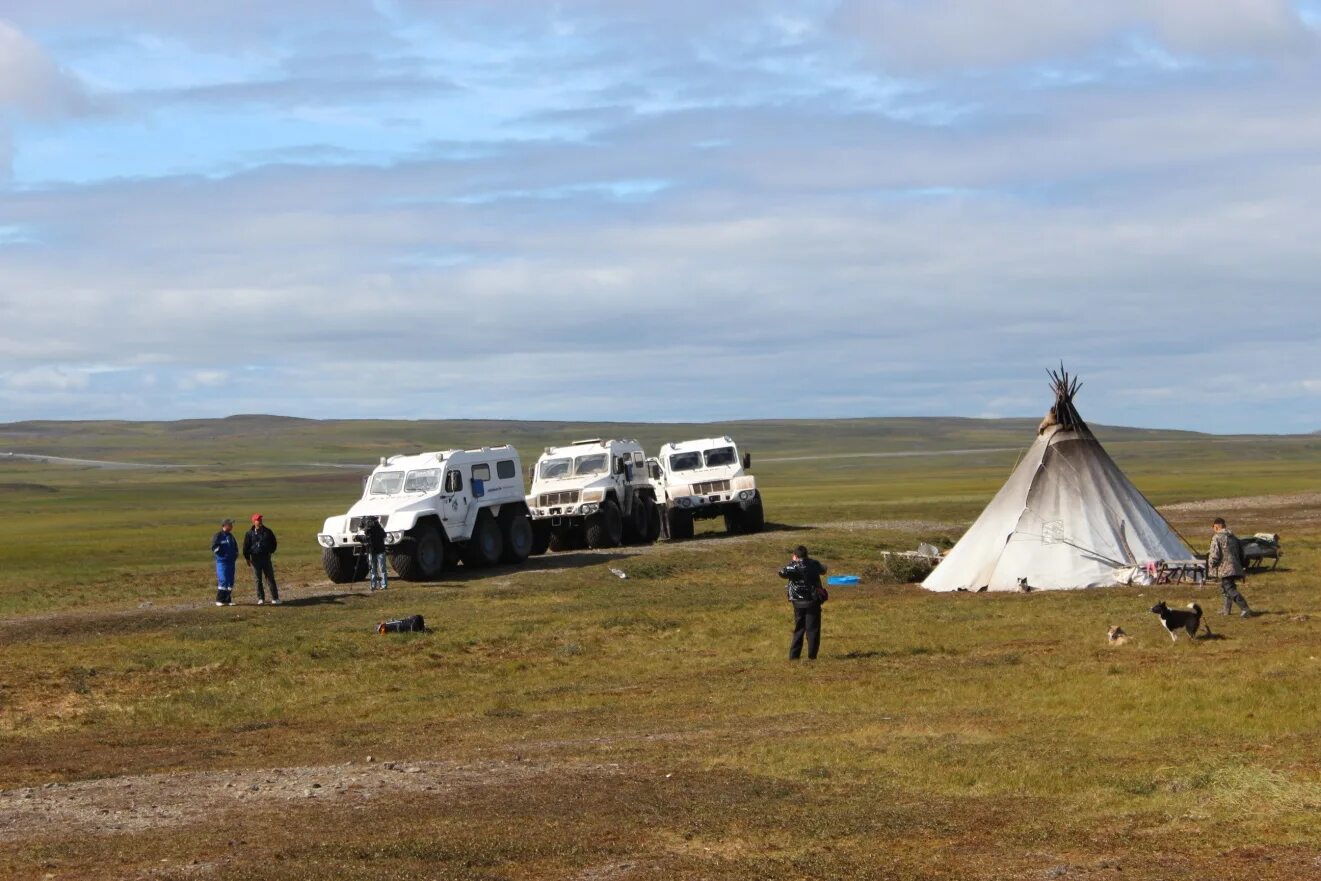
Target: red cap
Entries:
(256, 518)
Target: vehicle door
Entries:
(454, 505)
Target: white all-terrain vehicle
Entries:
(437, 509)
(701, 479)
(593, 493)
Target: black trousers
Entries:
(807, 623)
(261, 565)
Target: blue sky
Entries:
(661, 211)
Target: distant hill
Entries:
(255, 437)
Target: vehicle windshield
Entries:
(685, 461)
(597, 463)
(552, 469)
(423, 480)
(720, 456)
(386, 483)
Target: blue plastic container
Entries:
(841, 579)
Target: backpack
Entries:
(411, 624)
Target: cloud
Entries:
(47, 379)
(32, 84)
(995, 33)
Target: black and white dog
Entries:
(1174, 620)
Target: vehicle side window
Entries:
(504, 469)
(481, 472)
(637, 457)
(453, 481)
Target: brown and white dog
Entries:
(1117, 636)
(1174, 620)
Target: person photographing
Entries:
(805, 592)
(372, 541)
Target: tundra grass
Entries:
(938, 736)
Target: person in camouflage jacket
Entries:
(1225, 561)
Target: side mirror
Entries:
(478, 487)
(747, 460)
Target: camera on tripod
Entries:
(361, 541)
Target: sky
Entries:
(661, 211)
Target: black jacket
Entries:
(258, 542)
(804, 578)
(373, 537)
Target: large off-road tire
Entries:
(516, 529)
(605, 528)
(567, 538)
(486, 544)
(342, 565)
(733, 520)
(635, 523)
(653, 523)
(754, 516)
(540, 537)
(420, 556)
(681, 524)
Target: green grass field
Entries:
(558, 722)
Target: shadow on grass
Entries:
(721, 536)
(328, 599)
(550, 562)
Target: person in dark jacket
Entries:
(804, 591)
(225, 549)
(372, 539)
(258, 546)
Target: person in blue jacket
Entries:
(225, 548)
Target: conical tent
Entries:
(1066, 518)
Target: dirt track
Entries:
(152, 801)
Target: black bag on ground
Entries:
(411, 624)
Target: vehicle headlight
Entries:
(326, 541)
(588, 509)
(392, 538)
(685, 502)
(747, 494)
(593, 495)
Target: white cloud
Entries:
(202, 379)
(47, 379)
(31, 83)
(992, 33)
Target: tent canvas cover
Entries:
(1066, 518)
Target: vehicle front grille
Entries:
(711, 486)
(355, 523)
(568, 497)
